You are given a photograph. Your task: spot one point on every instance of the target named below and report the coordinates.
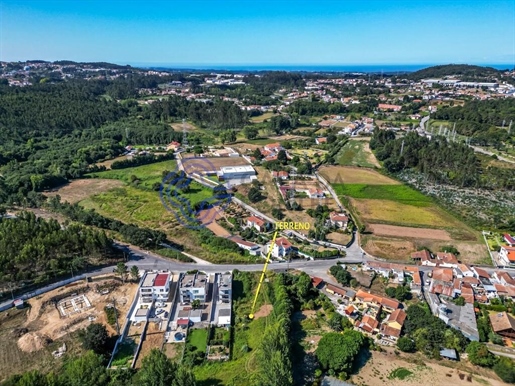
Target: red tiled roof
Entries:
(273, 146)
(509, 239)
(161, 280)
(283, 242)
(510, 253)
(256, 220)
(337, 290)
(390, 331)
(448, 258)
(443, 274)
(281, 173)
(338, 217)
(316, 281)
(506, 276)
(350, 309)
(322, 139)
(368, 297)
(370, 322)
(482, 273)
(183, 322)
(423, 255)
(398, 316)
(500, 288)
(470, 280)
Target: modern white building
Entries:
(243, 173)
(155, 286)
(507, 255)
(193, 287)
(225, 288)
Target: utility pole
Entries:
(509, 127)
(184, 134)
(402, 148)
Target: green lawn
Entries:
(398, 193)
(356, 153)
(197, 337)
(146, 174)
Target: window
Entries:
(161, 290)
(195, 291)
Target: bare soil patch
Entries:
(398, 231)
(78, 190)
(179, 126)
(45, 320)
(153, 339)
(339, 238)
(387, 248)
(109, 162)
(218, 230)
(355, 175)
(263, 311)
(31, 342)
(377, 369)
(192, 165)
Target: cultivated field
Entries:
(355, 175)
(78, 190)
(379, 371)
(397, 231)
(357, 153)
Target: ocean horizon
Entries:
(360, 68)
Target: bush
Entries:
(505, 369)
(406, 344)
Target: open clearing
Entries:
(78, 190)
(262, 117)
(179, 126)
(263, 311)
(381, 365)
(398, 193)
(355, 175)
(146, 175)
(109, 162)
(397, 231)
(203, 164)
(357, 153)
(153, 339)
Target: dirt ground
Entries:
(153, 339)
(200, 164)
(78, 190)
(339, 238)
(173, 350)
(425, 372)
(109, 162)
(388, 248)
(263, 311)
(397, 231)
(355, 175)
(46, 321)
(179, 126)
(218, 230)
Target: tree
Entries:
(94, 337)
(337, 352)
(406, 344)
(336, 322)
(122, 270)
(195, 304)
(158, 370)
(479, 355)
(282, 157)
(228, 136)
(505, 369)
(340, 274)
(134, 273)
(87, 370)
(254, 194)
(250, 132)
(459, 301)
(303, 285)
(277, 213)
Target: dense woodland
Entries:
(463, 70)
(35, 250)
(482, 120)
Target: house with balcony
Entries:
(155, 286)
(193, 287)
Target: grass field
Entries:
(355, 175)
(261, 118)
(197, 337)
(146, 174)
(357, 153)
(398, 193)
(246, 340)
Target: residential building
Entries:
(257, 223)
(368, 299)
(225, 288)
(369, 324)
(424, 257)
(273, 147)
(446, 259)
(281, 248)
(449, 353)
(503, 324)
(392, 326)
(509, 239)
(504, 278)
(193, 287)
(317, 282)
(388, 107)
(507, 255)
(339, 220)
(345, 293)
(283, 175)
(321, 140)
(254, 249)
(315, 193)
(173, 146)
(155, 286)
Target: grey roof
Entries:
(224, 312)
(449, 353)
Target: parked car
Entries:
(160, 311)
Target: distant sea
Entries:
(365, 68)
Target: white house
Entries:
(507, 255)
(338, 219)
(254, 249)
(281, 247)
(246, 172)
(193, 287)
(155, 286)
(315, 193)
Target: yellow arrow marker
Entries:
(251, 316)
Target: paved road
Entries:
(478, 149)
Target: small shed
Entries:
(141, 315)
(449, 353)
(183, 323)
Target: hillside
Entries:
(461, 70)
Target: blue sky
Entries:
(235, 32)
